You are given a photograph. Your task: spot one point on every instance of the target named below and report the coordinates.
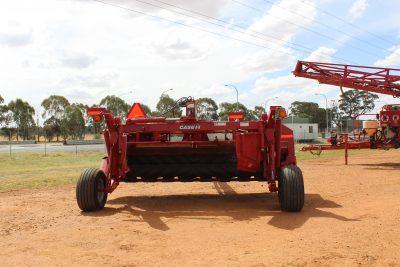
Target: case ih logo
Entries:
(189, 127)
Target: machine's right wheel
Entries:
(291, 189)
(89, 190)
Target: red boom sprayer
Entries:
(381, 132)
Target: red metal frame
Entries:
(370, 79)
(265, 142)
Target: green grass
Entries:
(27, 170)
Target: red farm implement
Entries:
(382, 132)
(148, 149)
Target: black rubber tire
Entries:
(291, 189)
(88, 196)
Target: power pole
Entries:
(237, 95)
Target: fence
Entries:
(26, 142)
(45, 149)
(84, 142)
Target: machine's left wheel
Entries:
(291, 189)
(89, 190)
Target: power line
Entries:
(309, 29)
(246, 30)
(242, 31)
(190, 26)
(293, 45)
(330, 27)
(349, 23)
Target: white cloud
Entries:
(217, 91)
(357, 9)
(266, 61)
(274, 22)
(93, 80)
(15, 39)
(273, 31)
(78, 95)
(178, 49)
(288, 89)
(391, 60)
(13, 34)
(322, 54)
(265, 84)
(77, 60)
(210, 7)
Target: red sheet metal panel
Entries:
(248, 151)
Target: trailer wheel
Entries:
(89, 188)
(291, 189)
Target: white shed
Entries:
(304, 131)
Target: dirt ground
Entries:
(351, 217)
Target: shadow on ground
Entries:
(381, 166)
(239, 207)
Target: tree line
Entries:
(63, 120)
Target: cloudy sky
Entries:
(86, 49)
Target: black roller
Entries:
(184, 164)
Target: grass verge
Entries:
(25, 170)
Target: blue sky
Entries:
(85, 49)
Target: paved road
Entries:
(54, 147)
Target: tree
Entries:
(146, 109)
(87, 119)
(8, 132)
(257, 112)
(54, 124)
(23, 116)
(225, 108)
(336, 116)
(309, 110)
(167, 107)
(54, 106)
(116, 105)
(52, 129)
(4, 117)
(54, 109)
(353, 103)
(83, 108)
(72, 123)
(48, 132)
(206, 109)
(5, 120)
